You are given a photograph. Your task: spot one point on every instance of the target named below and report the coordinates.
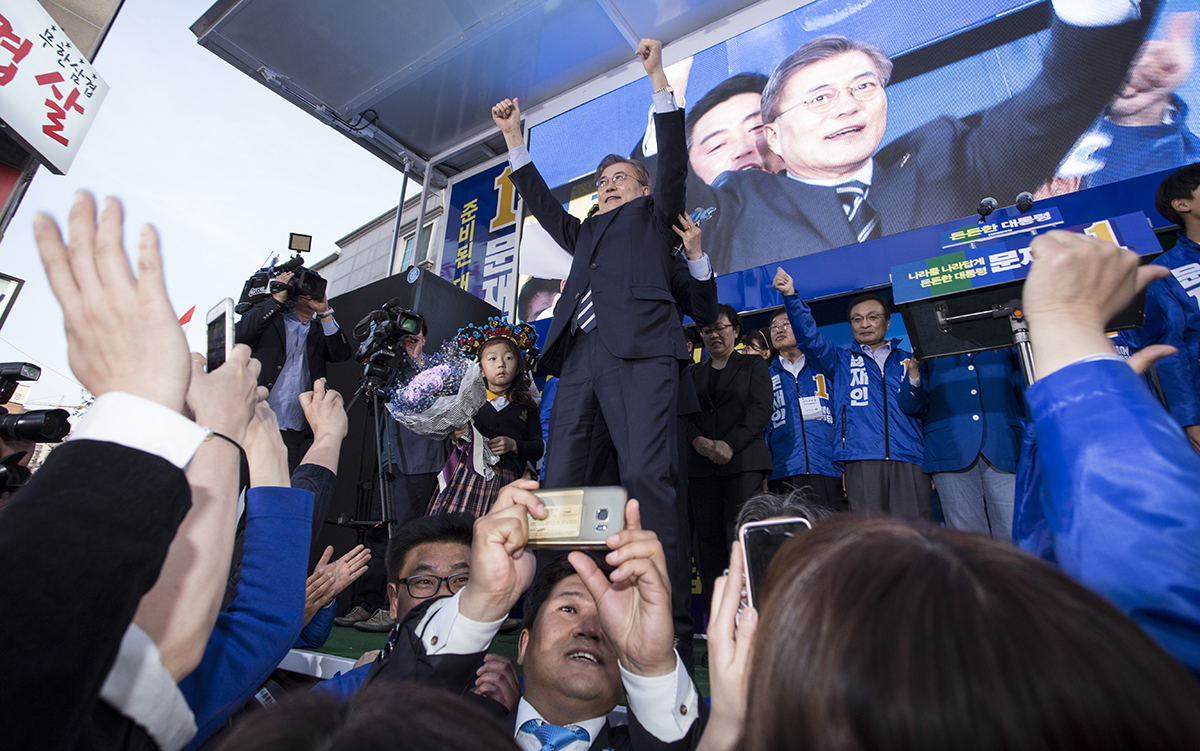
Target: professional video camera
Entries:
(262, 284)
(381, 335)
(37, 426)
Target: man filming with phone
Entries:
(293, 353)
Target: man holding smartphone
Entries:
(293, 353)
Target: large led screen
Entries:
(885, 119)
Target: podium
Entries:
(969, 300)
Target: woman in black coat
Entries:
(728, 459)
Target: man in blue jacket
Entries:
(800, 433)
(879, 447)
(1173, 303)
(974, 412)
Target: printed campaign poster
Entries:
(49, 92)
(480, 249)
(828, 140)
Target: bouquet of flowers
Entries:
(442, 396)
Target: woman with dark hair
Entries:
(877, 634)
(728, 458)
(758, 342)
(398, 716)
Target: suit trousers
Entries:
(978, 499)
(879, 487)
(716, 502)
(636, 401)
(820, 489)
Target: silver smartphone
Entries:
(220, 334)
(760, 542)
(578, 517)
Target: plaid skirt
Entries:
(469, 493)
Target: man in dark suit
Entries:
(578, 648)
(825, 111)
(274, 333)
(616, 337)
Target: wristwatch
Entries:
(327, 314)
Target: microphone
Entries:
(1024, 201)
(986, 207)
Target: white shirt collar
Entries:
(526, 712)
(792, 367)
(864, 176)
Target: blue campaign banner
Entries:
(1002, 223)
(868, 264)
(1005, 260)
(479, 251)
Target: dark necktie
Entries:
(554, 737)
(585, 317)
(864, 222)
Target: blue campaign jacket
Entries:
(1173, 317)
(972, 405)
(258, 628)
(809, 449)
(1108, 491)
(868, 421)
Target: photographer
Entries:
(293, 354)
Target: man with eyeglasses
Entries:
(879, 447)
(616, 340)
(430, 557)
(825, 114)
(800, 434)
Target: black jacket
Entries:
(735, 407)
(263, 330)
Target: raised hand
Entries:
(913, 366)
(507, 115)
(501, 568)
(690, 232)
(265, 452)
(497, 679)
(730, 645)
(225, 399)
(317, 589)
(650, 50)
(783, 282)
(634, 603)
(324, 411)
(1075, 286)
(122, 334)
(334, 577)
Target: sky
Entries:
(220, 165)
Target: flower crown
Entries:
(470, 338)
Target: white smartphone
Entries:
(760, 542)
(220, 334)
(578, 517)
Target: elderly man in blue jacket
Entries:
(878, 446)
(974, 411)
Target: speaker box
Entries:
(446, 308)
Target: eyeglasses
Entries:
(424, 586)
(710, 330)
(780, 326)
(871, 317)
(616, 180)
(824, 99)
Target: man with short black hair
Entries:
(1173, 303)
(879, 447)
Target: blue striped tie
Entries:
(554, 737)
(864, 222)
(585, 317)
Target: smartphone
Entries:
(760, 542)
(578, 517)
(220, 334)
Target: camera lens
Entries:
(39, 426)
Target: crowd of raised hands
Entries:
(873, 633)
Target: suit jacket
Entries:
(939, 171)
(262, 328)
(624, 257)
(972, 405)
(113, 512)
(735, 407)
